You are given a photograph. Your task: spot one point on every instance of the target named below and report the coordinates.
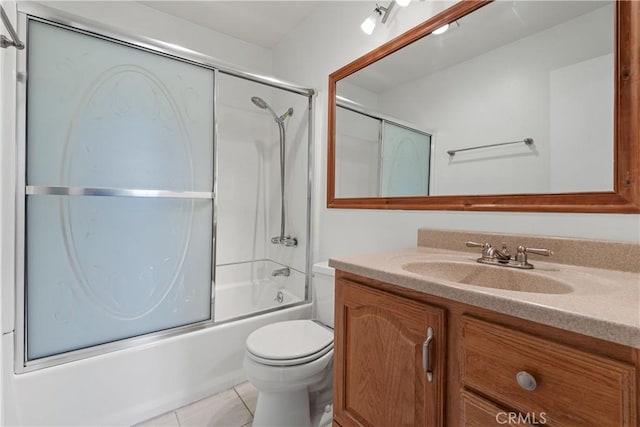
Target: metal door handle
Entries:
(426, 365)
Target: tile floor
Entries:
(231, 408)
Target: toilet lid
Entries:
(293, 339)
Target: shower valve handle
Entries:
(286, 240)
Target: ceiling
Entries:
(263, 23)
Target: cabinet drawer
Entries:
(572, 388)
(478, 412)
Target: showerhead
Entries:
(261, 103)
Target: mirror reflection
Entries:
(516, 97)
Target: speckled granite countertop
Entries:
(602, 303)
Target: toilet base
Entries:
(282, 409)
(323, 418)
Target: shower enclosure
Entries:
(152, 190)
(262, 191)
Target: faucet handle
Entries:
(488, 251)
(521, 255)
(544, 252)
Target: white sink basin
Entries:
(487, 276)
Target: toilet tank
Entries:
(324, 292)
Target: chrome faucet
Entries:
(285, 240)
(286, 272)
(491, 255)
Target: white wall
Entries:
(246, 136)
(328, 40)
(127, 386)
(357, 154)
(578, 101)
(357, 95)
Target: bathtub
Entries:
(128, 386)
(247, 288)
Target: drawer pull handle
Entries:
(426, 365)
(526, 381)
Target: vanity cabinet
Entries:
(389, 354)
(498, 370)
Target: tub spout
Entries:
(286, 272)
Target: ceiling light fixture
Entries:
(445, 28)
(369, 24)
(441, 30)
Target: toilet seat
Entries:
(289, 362)
(289, 343)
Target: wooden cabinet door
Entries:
(379, 377)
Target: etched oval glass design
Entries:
(127, 132)
(405, 161)
(407, 173)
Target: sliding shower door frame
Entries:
(384, 119)
(28, 11)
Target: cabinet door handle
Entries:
(526, 380)
(426, 365)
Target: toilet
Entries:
(291, 363)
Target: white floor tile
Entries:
(248, 394)
(221, 410)
(167, 420)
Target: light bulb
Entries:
(441, 30)
(370, 23)
(403, 3)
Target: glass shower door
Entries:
(406, 157)
(119, 176)
(358, 145)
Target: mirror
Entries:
(520, 105)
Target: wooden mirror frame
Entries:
(625, 197)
